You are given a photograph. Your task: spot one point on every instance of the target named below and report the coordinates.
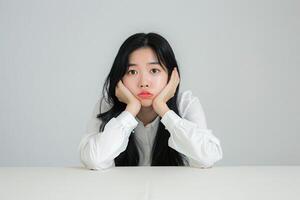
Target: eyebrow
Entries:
(150, 63)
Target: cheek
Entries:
(161, 83)
(129, 83)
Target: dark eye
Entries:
(129, 72)
(157, 70)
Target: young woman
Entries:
(142, 118)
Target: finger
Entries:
(177, 77)
(177, 74)
(173, 73)
(175, 81)
(171, 81)
(120, 83)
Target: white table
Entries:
(141, 183)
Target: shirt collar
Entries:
(151, 124)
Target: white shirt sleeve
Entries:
(190, 136)
(99, 149)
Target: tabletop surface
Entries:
(141, 183)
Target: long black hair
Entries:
(162, 154)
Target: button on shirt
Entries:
(189, 136)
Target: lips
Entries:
(145, 94)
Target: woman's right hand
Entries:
(124, 95)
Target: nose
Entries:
(145, 86)
(144, 82)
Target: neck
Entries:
(146, 115)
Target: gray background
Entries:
(241, 58)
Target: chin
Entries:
(146, 103)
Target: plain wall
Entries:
(241, 58)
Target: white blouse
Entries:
(188, 135)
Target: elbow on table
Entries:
(212, 156)
(92, 165)
(208, 161)
(91, 161)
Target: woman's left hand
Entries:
(159, 104)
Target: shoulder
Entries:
(94, 122)
(190, 108)
(101, 106)
(185, 99)
(186, 95)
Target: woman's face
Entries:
(145, 74)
